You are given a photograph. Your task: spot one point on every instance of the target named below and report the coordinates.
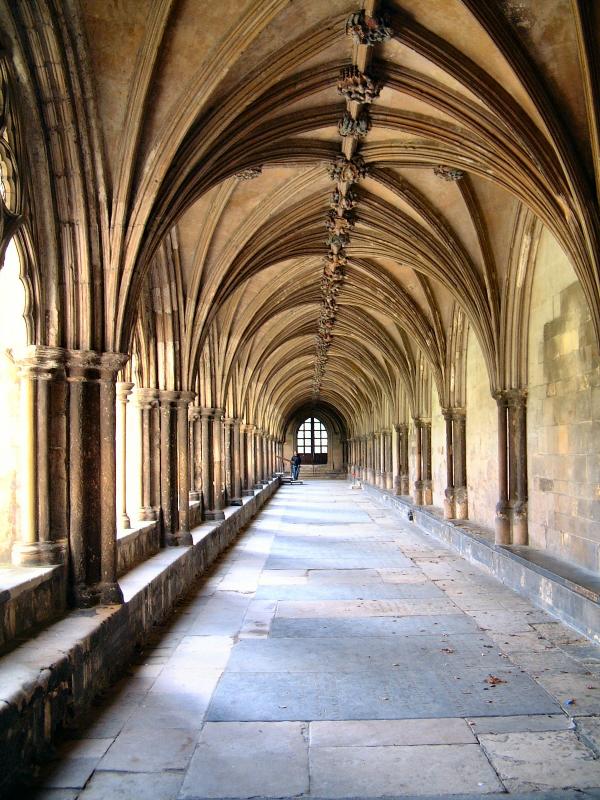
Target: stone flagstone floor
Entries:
(338, 652)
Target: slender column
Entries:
(184, 536)
(459, 444)
(236, 482)
(123, 392)
(517, 415)
(502, 522)
(370, 458)
(206, 450)
(427, 479)
(404, 466)
(449, 494)
(218, 477)
(418, 488)
(169, 488)
(40, 544)
(377, 458)
(228, 457)
(248, 489)
(92, 476)
(364, 443)
(389, 478)
(396, 459)
(145, 400)
(258, 467)
(195, 436)
(265, 476)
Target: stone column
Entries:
(248, 490)
(145, 400)
(236, 481)
(218, 478)
(195, 434)
(502, 522)
(92, 476)
(169, 484)
(426, 448)
(396, 459)
(418, 487)
(404, 465)
(265, 443)
(370, 458)
(123, 392)
(184, 537)
(41, 543)
(517, 447)
(449, 496)
(206, 450)
(364, 446)
(459, 445)
(228, 457)
(258, 468)
(378, 459)
(389, 469)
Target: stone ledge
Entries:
(568, 592)
(29, 597)
(49, 681)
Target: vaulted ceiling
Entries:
(327, 206)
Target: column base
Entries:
(418, 493)
(105, 594)
(462, 504)
(179, 539)
(389, 482)
(427, 493)
(236, 501)
(194, 496)
(147, 514)
(214, 515)
(404, 485)
(39, 554)
(248, 493)
(125, 522)
(502, 525)
(258, 486)
(520, 533)
(449, 506)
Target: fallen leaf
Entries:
(493, 680)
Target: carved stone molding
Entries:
(448, 173)
(357, 128)
(249, 174)
(356, 86)
(367, 30)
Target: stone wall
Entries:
(563, 414)
(88, 649)
(482, 441)
(438, 450)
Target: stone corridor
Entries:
(337, 651)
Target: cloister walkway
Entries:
(337, 651)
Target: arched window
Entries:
(312, 441)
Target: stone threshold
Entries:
(570, 593)
(49, 681)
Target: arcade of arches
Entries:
(221, 221)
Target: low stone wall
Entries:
(561, 589)
(29, 597)
(137, 545)
(49, 681)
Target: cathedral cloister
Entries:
(366, 232)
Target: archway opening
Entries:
(312, 441)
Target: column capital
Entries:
(124, 389)
(228, 421)
(206, 412)
(248, 427)
(186, 398)
(39, 361)
(194, 413)
(167, 397)
(144, 398)
(218, 413)
(89, 365)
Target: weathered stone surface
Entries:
(542, 760)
